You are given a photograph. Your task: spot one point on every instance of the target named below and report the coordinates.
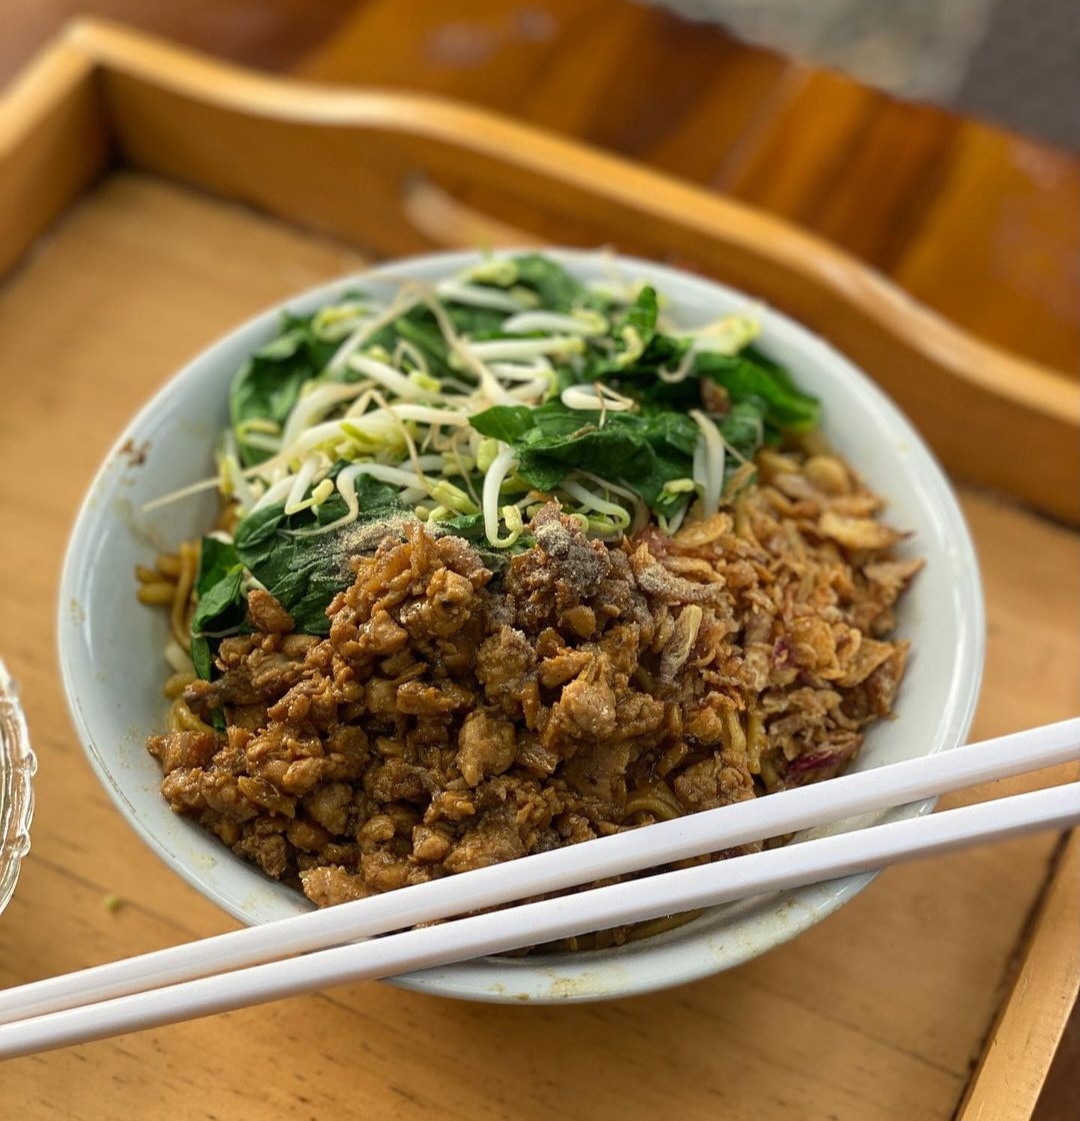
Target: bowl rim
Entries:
(591, 975)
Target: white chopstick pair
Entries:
(243, 967)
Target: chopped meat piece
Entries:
(581, 620)
(639, 716)
(257, 669)
(384, 871)
(578, 563)
(198, 789)
(505, 666)
(451, 805)
(414, 698)
(561, 667)
(533, 757)
(431, 844)
(263, 842)
(266, 795)
(326, 886)
(586, 710)
(486, 746)
(329, 806)
(396, 781)
(183, 749)
(266, 614)
(496, 837)
(599, 773)
(307, 836)
(719, 780)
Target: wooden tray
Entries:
(149, 199)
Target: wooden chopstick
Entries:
(659, 844)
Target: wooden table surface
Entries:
(977, 223)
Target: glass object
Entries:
(17, 767)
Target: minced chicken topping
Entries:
(453, 719)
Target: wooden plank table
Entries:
(881, 1011)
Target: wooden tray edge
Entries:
(1032, 1018)
(196, 76)
(1002, 421)
(65, 75)
(51, 117)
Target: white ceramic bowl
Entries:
(112, 671)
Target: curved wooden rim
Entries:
(1031, 385)
(90, 44)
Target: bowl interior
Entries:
(109, 643)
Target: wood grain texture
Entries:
(1015, 1063)
(270, 33)
(53, 142)
(976, 223)
(1059, 1099)
(962, 214)
(143, 275)
(676, 95)
(311, 154)
(1001, 245)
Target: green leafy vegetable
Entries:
(456, 408)
(750, 375)
(557, 289)
(742, 428)
(508, 423)
(266, 388)
(304, 573)
(221, 603)
(644, 451)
